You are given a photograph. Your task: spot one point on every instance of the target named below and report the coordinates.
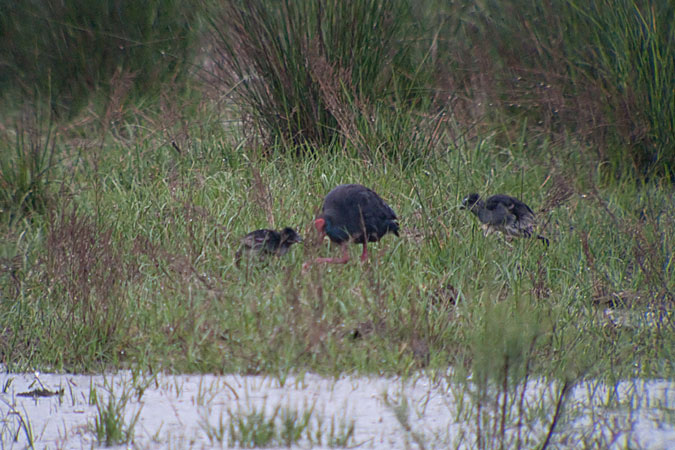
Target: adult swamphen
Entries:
(267, 242)
(354, 213)
(503, 213)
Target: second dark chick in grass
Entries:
(505, 214)
(262, 243)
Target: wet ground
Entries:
(205, 411)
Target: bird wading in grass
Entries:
(267, 242)
(503, 213)
(353, 213)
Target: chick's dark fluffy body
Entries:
(503, 213)
(268, 242)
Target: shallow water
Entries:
(187, 411)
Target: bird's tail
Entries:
(544, 239)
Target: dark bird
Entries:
(503, 213)
(267, 242)
(354, 213)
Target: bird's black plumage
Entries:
(503, 213)
(267, 242)
(354, 213)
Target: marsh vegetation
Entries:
(138, 146)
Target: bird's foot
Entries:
(308, 264)
(341, 260)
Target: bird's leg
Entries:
(364, 254)
(341, 260)
(345, 254)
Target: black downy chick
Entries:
(505, 214)
(267, 242)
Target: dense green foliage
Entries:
(119, 228)
(605, 69)
(317, 70)
(65, 50)
(309, 71)
(135, 266)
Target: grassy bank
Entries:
(134, 266)
(119, 228)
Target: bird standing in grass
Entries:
(354, 213)
(267, 242)
(503, 213)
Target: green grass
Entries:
(15, 425)
(27, 166)
(319, 72)
(135, 267)
(119, 230)
(110, 426)
(602, 70)
(69, 50)
(280, 427)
